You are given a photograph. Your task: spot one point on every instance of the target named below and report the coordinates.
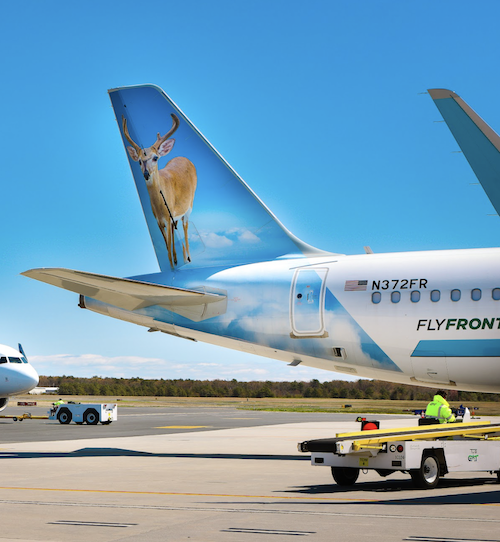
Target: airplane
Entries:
(232, 275)
(17, 375)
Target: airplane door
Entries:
(431, 368)
(307, 302)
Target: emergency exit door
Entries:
(307, 302)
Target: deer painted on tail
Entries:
(171, 189)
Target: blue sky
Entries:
(319, 107)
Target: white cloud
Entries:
(256, 368)
(88, 365)
(213, 240)
(226, 238)
(248, 237)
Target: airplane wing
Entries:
(128, 294)
(479, 143)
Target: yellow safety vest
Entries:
(439, 408)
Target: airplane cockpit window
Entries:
(15, 360)
(495, 294)
(455, 295)
(3, 359)
(475, 295)
(435, 295)
(376, 297)
(24, 359)
(415, 296)
(396, 297)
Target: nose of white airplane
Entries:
(20, 378)
(31, 376)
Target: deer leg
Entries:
(183, 242)
(168, 242)
(185, 225)
(172, 235)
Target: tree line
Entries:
(334, 389)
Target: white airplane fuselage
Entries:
(386, 316)
(17, 375)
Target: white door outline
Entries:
(431, 368)
(307, 303)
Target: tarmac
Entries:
(208, 474)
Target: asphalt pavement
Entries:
(219, 474)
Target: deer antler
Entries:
(129, 139)
(175, 125)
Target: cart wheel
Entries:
(427, 476)
(345, 476)
(498, 476)
(64, 416)
(91, 416)
(14, 419)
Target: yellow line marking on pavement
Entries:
(218, 495)
(182, 426)
(174, 493)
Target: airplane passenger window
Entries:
(3, 359)
(435, 295)
(495, 294)
(376, 297)
(415, 296)
(15, 360)
(396, 297)
(455, 295)
(475, 294)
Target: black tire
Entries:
(64, 416)
(106, 423)
(91, 416)
(345, 476)
(427, 476)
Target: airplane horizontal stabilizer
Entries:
(131, 294)
(479, 143)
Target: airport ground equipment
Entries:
(459, 411)
(25, 416)
(89, 413)
(426, 452)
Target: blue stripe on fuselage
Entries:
(460, 348)
(380, 360)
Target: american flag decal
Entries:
(355, 285)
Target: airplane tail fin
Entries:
(479, 143)
(198, 210)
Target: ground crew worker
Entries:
(439, 408)
(56, 405)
